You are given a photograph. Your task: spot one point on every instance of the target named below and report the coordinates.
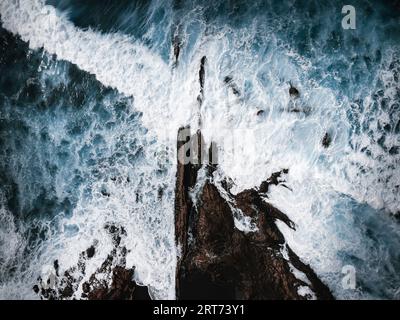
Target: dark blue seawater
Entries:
(90, 101)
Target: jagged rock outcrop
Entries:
(326, 140)
(112, 281)
(219, 261)
(293, 92)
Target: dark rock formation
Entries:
(274, 179)
(90, 252)
(217, 260)
(260, 112)
(177, 49)
(229, 82)
(295, 110)
(295, 104)
(326, 140)
(293, 92)
(201, 79)
(202, 72)
(112, 281)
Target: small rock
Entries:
(177, 48)
(160, 193)
(56, 266)
(90, 252)
(326, 140)
(293, 92)
(86, 287)
(227, 79)
(105, 193)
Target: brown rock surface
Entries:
(218, 261)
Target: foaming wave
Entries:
(375, 139)
(91, 163)
(16, 277)
(115, 59)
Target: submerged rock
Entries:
(219, 261)
(298, 107)
(293, 92)
(326, 140)
(228, 80)
(274, 179)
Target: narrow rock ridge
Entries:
(177, 43)
(217, 260)
(200, 97)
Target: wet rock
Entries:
(111, 281)
(293, 92)
(228, 79)
(116, 233)
(231, 84)
(201, 79)
(86, 288)
(122, 286)
(326, 140)
(105, 193)
(202, 72)
(160, 192)
(90, 252)
(36, 289)
(177, 49)
(56, 266)
(260, 112)
(219, 261)
(295, 110)
(274, 179)
(186, 177)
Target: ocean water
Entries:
(90, 104)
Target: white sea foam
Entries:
(11, 241)
(12, 246)
(306, 292)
